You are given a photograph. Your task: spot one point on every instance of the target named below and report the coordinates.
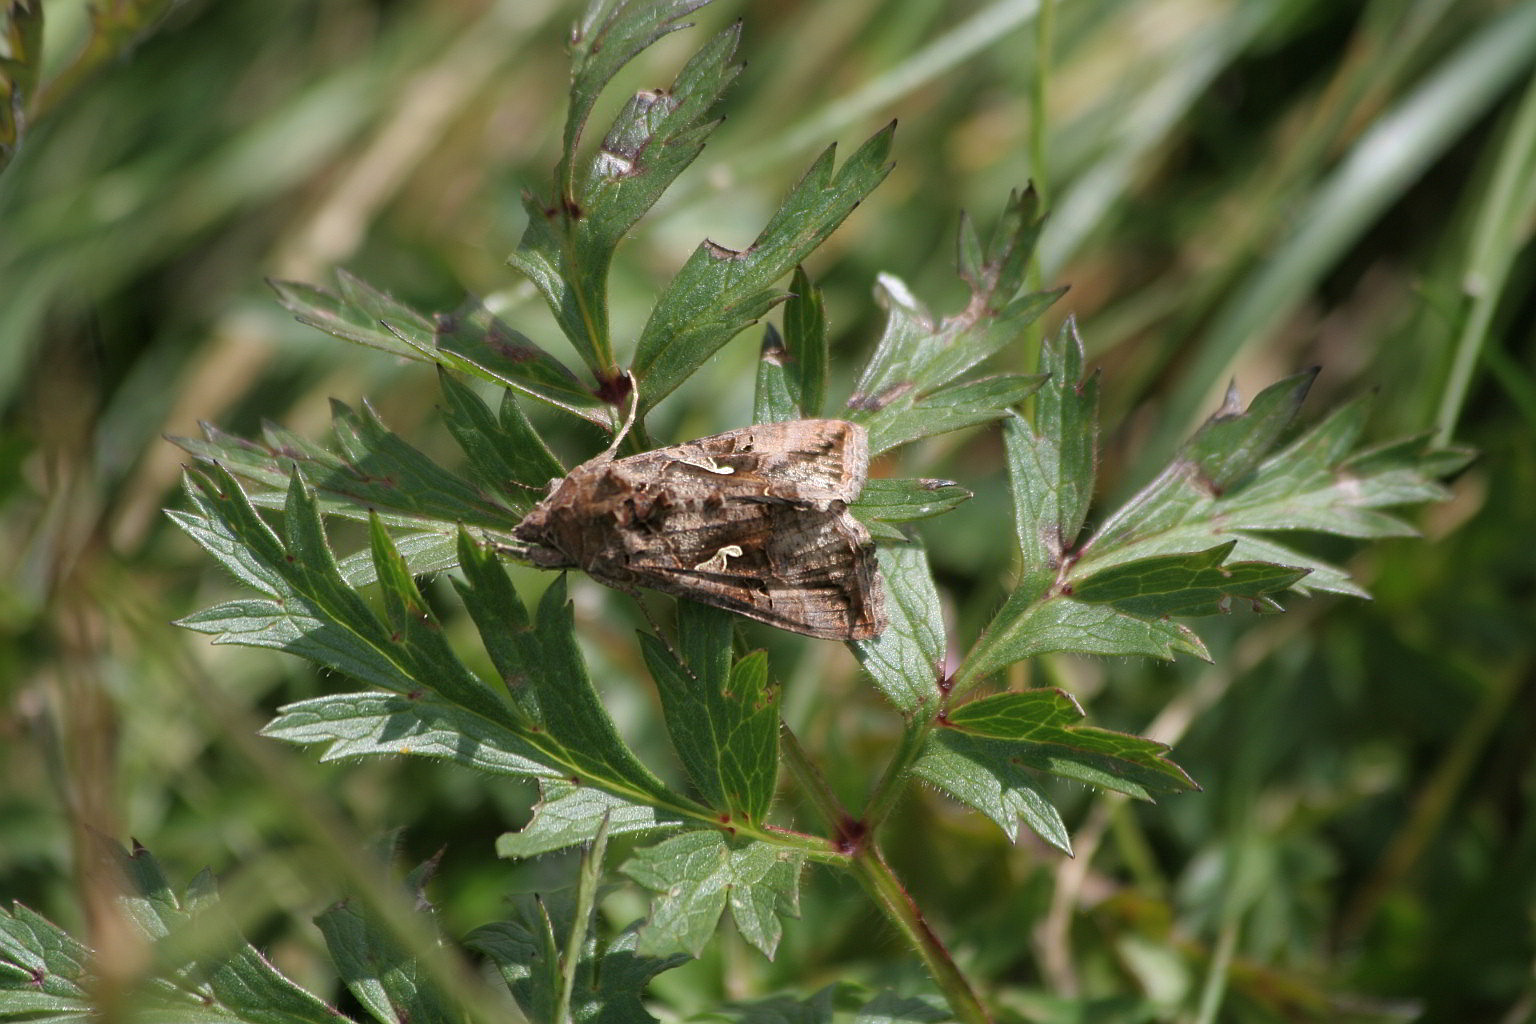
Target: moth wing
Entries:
(812, 461)
(807, 570)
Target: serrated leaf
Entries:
(547, 678)
(1051, 466)
(907, 660)
(918, 353)
(772, 400)
(890, 1008)
(983, 758)
(1202, 583)
(548, 720)
(1025, 628)
(41, 959)
(1233, 441)
(719, 292)
(1004, 791)
(568, 815)
(374, 470)
(506, 457)
(696, 875)
(380, 973)
(195, 939)
(610, 981)
(1313, 484)
(569, 243)
(309, 610)
(805, 342)
(474, 341)
(361, 314)
(362, 724)
(890, 500)
(967, 404)
(424, 554)
(723, 718)
(1009, 249)
(608, 36)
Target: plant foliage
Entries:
(1212, 532)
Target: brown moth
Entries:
(754, 521)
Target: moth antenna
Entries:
(629, 418)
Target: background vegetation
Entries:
(1237, 189)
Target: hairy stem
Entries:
(875, 875)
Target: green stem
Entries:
(892, 782)
(891, 897)
(811, 781)
(876, 876)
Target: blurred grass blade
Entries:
(1498, 238)
(1385, 161)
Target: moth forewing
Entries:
(753, 520)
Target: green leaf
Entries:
(1025, 627)
(1202, 583)
(1051, 467)
(719, 292)
(1047, 719)
(308, 610)
(527, 951)
(424, 554)
(805, 342)
(696, 875)
(506, 457)
(773, 400)
(890, 1008)
(1313, 484)
(956, 407)
(655, 136)
(474, 341)
(363, 724)
(909, 388)
(194, 938)
(610, 979)
(907, 660)
(373, 471)
(547, 678)
(569, 814)
(723, 718)
(548, 720)
(1005, 791)
(1000, 270)
(917, 354)
(888, 500)
(569, 243)
(40, 961)
(985, 756)
(360, 314)
(379, 972)
(610, 34)
(1233, 441)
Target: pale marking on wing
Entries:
(716, 562)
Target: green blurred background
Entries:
(1238, 189)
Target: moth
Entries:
(754, 521)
